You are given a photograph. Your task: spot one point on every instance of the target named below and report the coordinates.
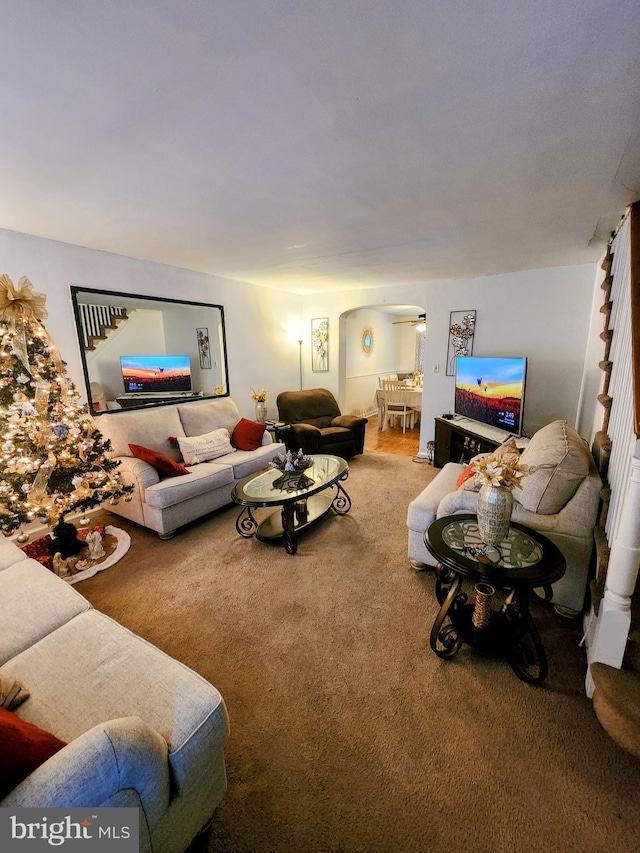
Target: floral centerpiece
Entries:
(498, 473)
(493, 472)
(291, 462)
(293, 466)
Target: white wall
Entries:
(542, 314)
(257, 319)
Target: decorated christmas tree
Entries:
(53, 459)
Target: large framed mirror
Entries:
(140, 351)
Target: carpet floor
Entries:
(347, 733)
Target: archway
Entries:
(376, 340)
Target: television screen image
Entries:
(148, 374)
(491, 390)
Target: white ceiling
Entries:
(318, 144)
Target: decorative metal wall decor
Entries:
(320, 344)
(462, 325)
(204, 349)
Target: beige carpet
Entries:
(347, 733)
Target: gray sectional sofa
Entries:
(164, 503)
(560, 500)
(142, 730)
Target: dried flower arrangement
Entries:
(502, 468)
(260, 396)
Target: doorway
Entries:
(376, 342)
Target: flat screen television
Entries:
(491, 391)
(153, 374)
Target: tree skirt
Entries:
(115, 542)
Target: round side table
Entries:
(524, 560)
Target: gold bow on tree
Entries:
(20, 308)
(21, 304)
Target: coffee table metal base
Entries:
(293, 518)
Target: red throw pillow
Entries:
(24, 747)
(160, 461)
(247, 435)
(467, 474)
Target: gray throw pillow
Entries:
(559, 458)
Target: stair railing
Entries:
(97, 320)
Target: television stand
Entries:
(129, 401)
(460, 439)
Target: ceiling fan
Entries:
(417, 321)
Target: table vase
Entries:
(495, 504)
(261, 411)
(481, 618)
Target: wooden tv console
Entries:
(460, 439)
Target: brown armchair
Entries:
(314, 423)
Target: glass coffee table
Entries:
(525, 560)
(299, 496)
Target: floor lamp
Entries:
(300, 345)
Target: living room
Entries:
(545, 314)
(331, 162)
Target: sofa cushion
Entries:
(10, 553)
(245, 462)
(146, 427)
(33, 602)
(104, 672)
(160, 461)
(201, 417)
(560, 461)
(247, 434)
(204, 448)
(24, 747)
(202, 478)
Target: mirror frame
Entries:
(123, 298)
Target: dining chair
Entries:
(396, 405)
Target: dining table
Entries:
(414, 399)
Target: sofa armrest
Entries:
(460, 500)
(110, 757)
(348, 421)
(306, 430)
(137, 472)
(301, 436)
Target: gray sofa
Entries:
(141, 729)
(560, 500)
(164, 503)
